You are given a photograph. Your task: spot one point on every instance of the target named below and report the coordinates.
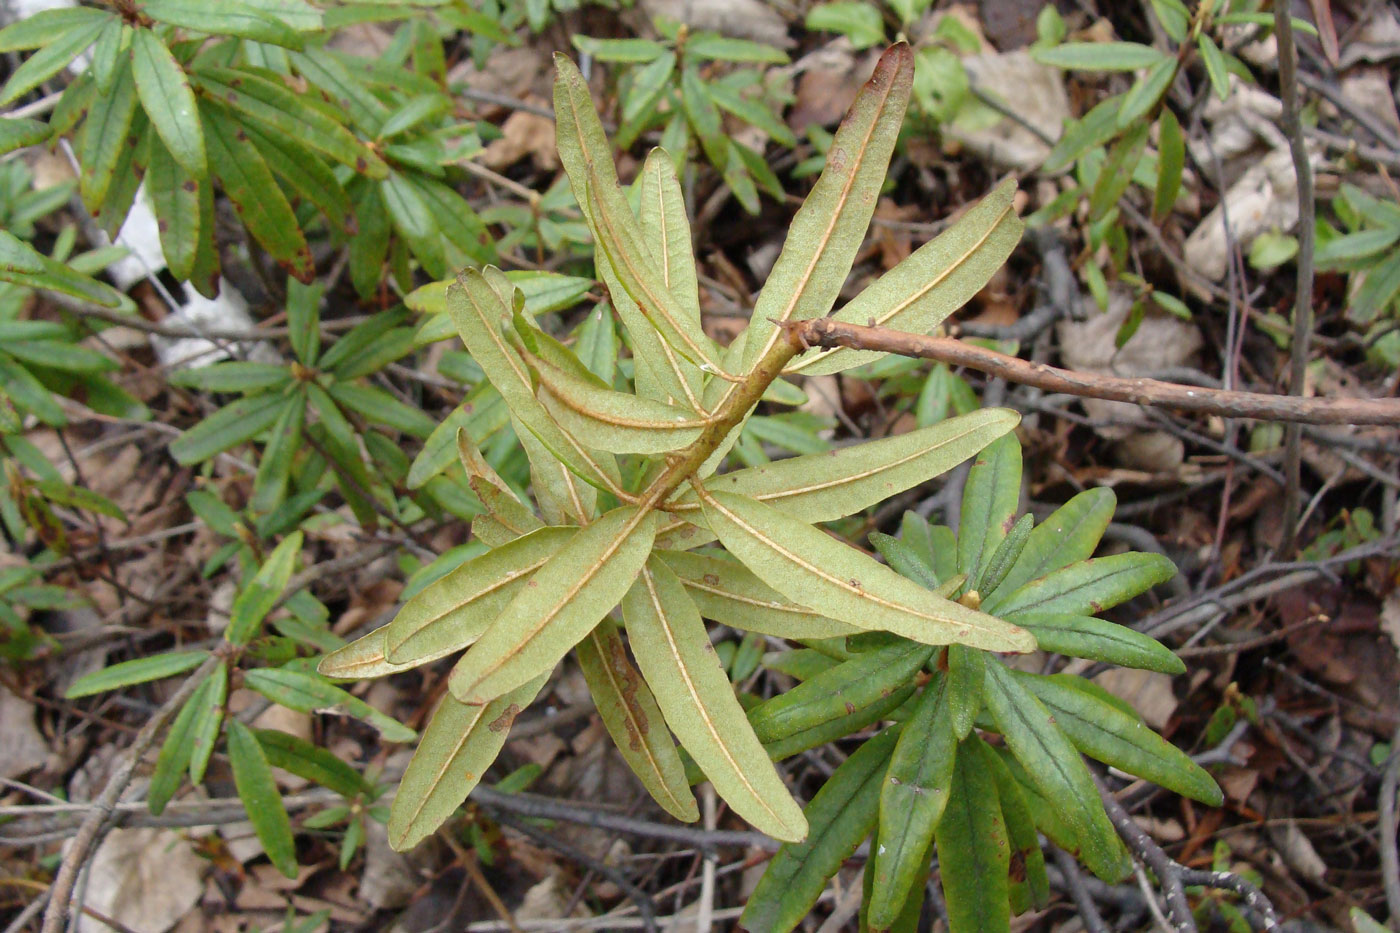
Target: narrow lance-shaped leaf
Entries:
(1027, 869)
(634, 720)
(931, 283)
(362, 659)
(809, 567)
(282, 111)
(667, 228)
(259, 201)
(830, 226)
(562, 602)
(973, 854)
(260, 594)
(967, 668)
(615, 421)
(849, 686)
(913, 796)
(51, 58)
(168, 101)
(478, 310)
(252, 776)
(1081, 636)
(1055, 766)
(1070, 534)
(1090, 586)
(308, 693)
(730, 594)
(174, 195)
(674, 652)
(174, 755)
(1104, 731)
(1006, 554)
(453, 612)
(459, 744)
(587, 158)
(989, 504)
(135, 671)
(840, 816)
(104, 136)
(1171, 160)
(208, 723)
(823, 487)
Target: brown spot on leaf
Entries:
(850, 708)
(190, 185)
(360, 164)
(502, 722)
(711, 579)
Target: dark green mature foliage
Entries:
(929, 783)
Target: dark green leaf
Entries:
(973, 852)
(258, 200)
(136, 671)
(256, 786)
(168, 101)
(839, 817)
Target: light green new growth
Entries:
(520, 607)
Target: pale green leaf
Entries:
(459, 744)
(453, 612)
(729, 593)
(826, 486)
(829, 228)
(931, 283)
(562, 602)
(634, 720)
(673, 650)
(814, 569)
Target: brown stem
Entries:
(824, 332)
(1302, 305)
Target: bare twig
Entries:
(825, 332)
(1173, 877)
(1302, 303)
(1390, 865)
(86, 838)
(638, 897)
(1074, 880)
(531, 805)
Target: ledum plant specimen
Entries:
(628, 508)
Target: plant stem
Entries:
(1302, 306)
(824, 332)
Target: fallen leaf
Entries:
(25, 748)
(145, 878)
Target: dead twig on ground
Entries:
(1173, 877)
(825, 332)
(1302, 302)
(1390, 864)
(93, 825)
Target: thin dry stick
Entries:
(1302, 305)
(86, 838)
(1390, 864)
(825, 332)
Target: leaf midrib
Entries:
(857, 591)
(698, 704)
